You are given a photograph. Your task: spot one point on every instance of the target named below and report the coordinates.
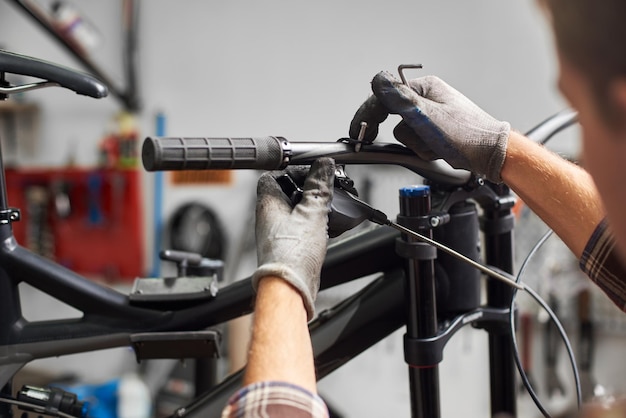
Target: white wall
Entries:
(300, 69)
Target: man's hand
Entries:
(291, 241)
(437, 122)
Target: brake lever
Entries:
(346, 210)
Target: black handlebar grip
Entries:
(263, 153)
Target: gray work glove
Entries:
(291, 240)
(437, 122)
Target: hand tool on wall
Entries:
(117, 191)
(62, 202)
(526, 329)
(554, 386)
(94, 195)
(586, 345)
(39, 237)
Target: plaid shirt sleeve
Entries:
(275, 400)
(602, 264)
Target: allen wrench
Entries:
(401, 69)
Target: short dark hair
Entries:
(591, 35)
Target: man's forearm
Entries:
(281, 345)
(560, 192)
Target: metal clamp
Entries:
(9, 215)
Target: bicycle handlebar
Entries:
(275, 153)
(552, 125)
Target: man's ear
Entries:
(618, 93)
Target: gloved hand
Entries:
(437, 122)
(291, 241)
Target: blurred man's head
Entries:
(589, 37)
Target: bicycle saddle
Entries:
(76, 81)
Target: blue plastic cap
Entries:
(415, 191)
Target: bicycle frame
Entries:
(343, 332)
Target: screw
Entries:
(435, 221)
(359, 138)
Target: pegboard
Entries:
(88, 220)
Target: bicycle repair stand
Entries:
(443, 293)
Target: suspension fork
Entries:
(421, 306)
(497, 225)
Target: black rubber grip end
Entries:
(149, 151)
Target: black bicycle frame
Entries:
(341, 333)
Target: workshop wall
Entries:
(298, 69)
(285, 68)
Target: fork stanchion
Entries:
(497, 224)
(415, 205)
